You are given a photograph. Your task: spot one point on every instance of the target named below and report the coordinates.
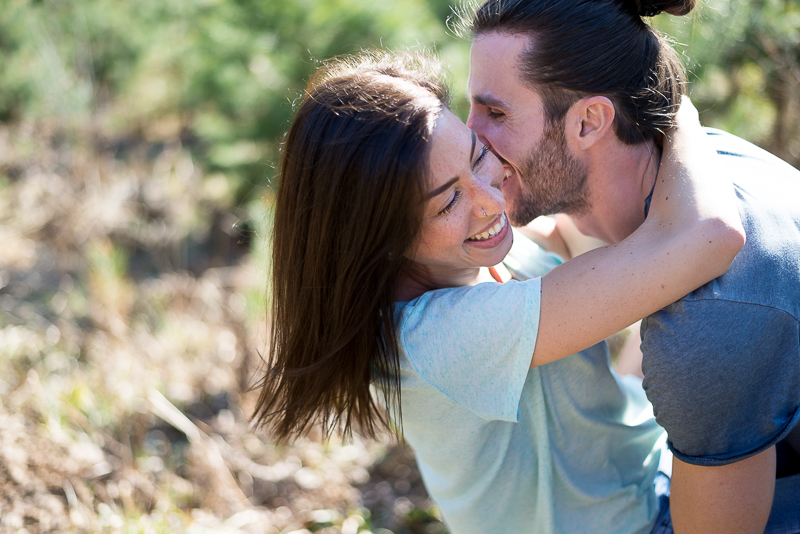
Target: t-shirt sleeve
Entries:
(475, 344)
(723, 377)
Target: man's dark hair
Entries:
(595, 47)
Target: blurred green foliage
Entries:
(743, 57)
(221, 75)
(140, 135)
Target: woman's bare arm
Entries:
(691, 236)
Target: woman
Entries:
(389, 218)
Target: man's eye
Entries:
(495, 114)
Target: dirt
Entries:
(131, 323)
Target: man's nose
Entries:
(473, 123)
(491, 193)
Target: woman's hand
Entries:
(690, 237)
(690, 190)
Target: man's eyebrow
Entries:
(489, 101)
(442, 188)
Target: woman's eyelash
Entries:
(481, 157)
(457, 195)
(447, 209)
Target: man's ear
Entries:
(589, 120)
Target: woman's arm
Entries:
(691, 236)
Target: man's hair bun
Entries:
(651, 8)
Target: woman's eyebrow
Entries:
(442, 188)
(474, 140)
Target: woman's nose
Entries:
(490, 200)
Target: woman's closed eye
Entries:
(481, 158)
(452, 204)
(457, 193)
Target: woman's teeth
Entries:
(491, 232)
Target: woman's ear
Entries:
(589, 120)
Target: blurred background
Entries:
(138, 144)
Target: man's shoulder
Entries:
(727, 144)
(767, 270)
(763, 175)
(760, 286)
(723, 377)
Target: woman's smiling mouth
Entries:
(491, 231)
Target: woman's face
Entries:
(464, 225)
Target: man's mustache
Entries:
(498, 156)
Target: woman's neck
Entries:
(417, 279)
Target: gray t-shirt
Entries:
(722, 365)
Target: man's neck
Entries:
(620, 178)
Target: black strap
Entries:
(650, 196)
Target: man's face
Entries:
(509, 118)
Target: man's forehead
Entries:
(494, 68)
(494, 50)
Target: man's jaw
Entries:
(512, 191)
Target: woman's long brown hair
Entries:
(349, 206)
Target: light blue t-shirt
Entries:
(567, 447)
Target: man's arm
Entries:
(734, 498)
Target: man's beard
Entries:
(551, 179)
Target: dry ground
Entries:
(130, 314)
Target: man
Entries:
(574, 96)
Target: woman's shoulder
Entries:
(528, 260)
(455, 304)
(472, 308)
(467, 322)
(465, 342)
